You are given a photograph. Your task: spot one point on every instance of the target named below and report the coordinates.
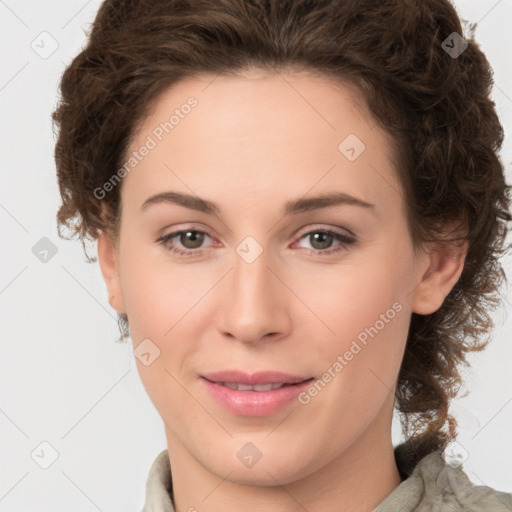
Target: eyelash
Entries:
(345, 239)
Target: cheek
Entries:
(361, 361)
(365, 307)
(351, 297)
(163, 303)
(156, 291)
(369, 324)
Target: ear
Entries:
(445, 263)
(109, 268)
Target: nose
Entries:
(255, 303)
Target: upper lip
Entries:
(266, 377)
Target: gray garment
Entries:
(432, 485)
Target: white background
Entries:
(63, 378)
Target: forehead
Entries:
(262, 131)
(257, 98)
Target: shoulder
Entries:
(451, 489)
(436, 486)
(159, 485)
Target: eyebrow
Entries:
(291, 207)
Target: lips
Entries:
(259, 394)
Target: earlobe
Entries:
(109, 269)
(444, 270)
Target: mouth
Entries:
(259, 394)
(237, 386)
(259, 381)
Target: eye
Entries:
(321, 241)
(191, 239)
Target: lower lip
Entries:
(255, 403)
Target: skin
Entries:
(254, 142)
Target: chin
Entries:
(271, 469)
(263, 476)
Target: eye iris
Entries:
(324, 244)
(194, 236)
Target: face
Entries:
(264, 233)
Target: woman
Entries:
(300, 209)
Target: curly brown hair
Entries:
(434, 104)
